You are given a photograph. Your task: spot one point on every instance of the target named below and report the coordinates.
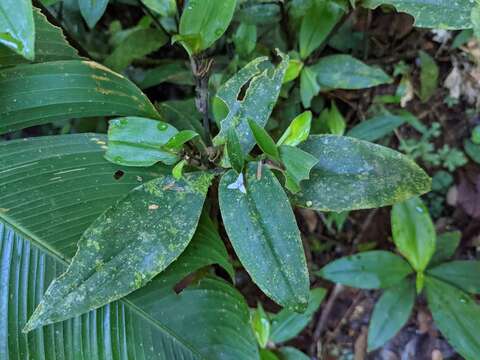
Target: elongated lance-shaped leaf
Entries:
(92, 10)
(17, 28)
(250, 94)
(52, 188)
(261, 225)
(60, 90)
(354, 174)
(126, 247)
(50, 45)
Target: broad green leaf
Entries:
(353, 174)
(116, 255)
(17, 28)
(447, 244)
(162, 7)
(298, 165)
(463, 274)
(235, 152)
(60, 90)
(318, 22)
(309, 87)
(290, 353)
(136, 141)
(52, 188)
(391, 313)
(288, 324)
(472, 150)
(457, 315)
(413, 232)
(298, 130)
(250, 94)
(170, 71)
(182, 114)
(261, 326)
(92, 10)
(137, 44)
(264, 140)
(50, 45)
(367, 270)
(245, 38)
(428, 76)
(179, 139)
(377, 127)
(436, 14)
(252, 225)
(346, 72)
(203, 22)
(293, 71)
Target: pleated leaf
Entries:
(51, 189)
(60, 90)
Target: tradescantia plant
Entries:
(97, 231)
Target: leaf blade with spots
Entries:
(117, 256)
(251, 222)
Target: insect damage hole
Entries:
(118, 174)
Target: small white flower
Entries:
(238, 184)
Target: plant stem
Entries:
(201, 71)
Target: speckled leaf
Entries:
(127, 246)
(437, 14)
(60, 90)
(234, 150)
(92, 10)
(390, 313)
(353, 174)
(318, 22)
(203, 22)
(250, 94)
(135, 141)
(52, 188)
(261, 225)
(50, 45)
(413, 232)
(367, 270)
(298, 165)
(17, 28)
(463, 274)
(447, 244)
(288, 324)
(457, 315)
(346, 72)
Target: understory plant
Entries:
(112, 245)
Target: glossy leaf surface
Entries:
(353, 174)
(251, 222)
(60, 90)
(390, 314)
(368, 270)
(17, 27)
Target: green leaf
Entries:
(52, 188)
(377, 127)
(475, 19)
(251, 222)
(60, 90)
(309, 87)
(264, 140)
(50, 45)
(298, 130)
(353, 174)
(117, 255)
(182, 114)
(234, 149)
(462, 274)
(428, 76)
(177, 171)
(162, 7)
(137, 44)
(170, 71)
(288, 324)
(293, 71)
(245, 38)
(250, 94)
(203, 22)
(346, 72)
(457, 315)
(266, 354)
(447, 244)
(472, 150)
(261, 326)
(179, 139)
(92, 10)
(318, 22)
(298, 165)
(17, 28)
(413, 232)
(335, 122)
(436, 14)
(290, 353)
(367, 270)
(135, 141)
(390, 314)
